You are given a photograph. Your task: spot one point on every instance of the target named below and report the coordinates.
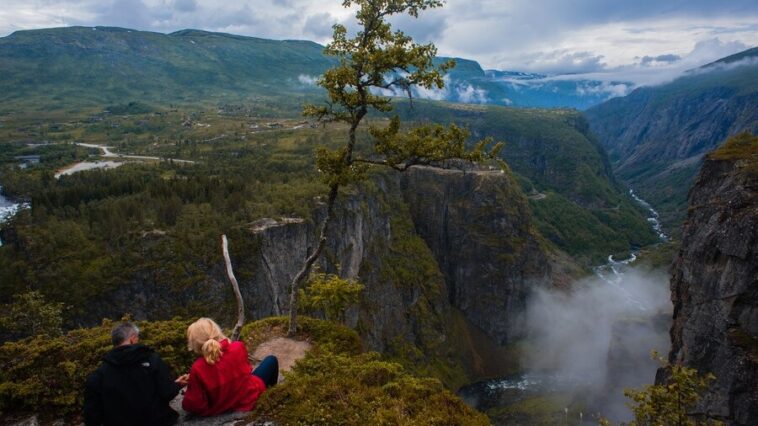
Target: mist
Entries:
(596, 338)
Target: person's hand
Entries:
(183, 379)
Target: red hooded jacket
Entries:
(227, 385)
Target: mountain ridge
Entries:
(657, 136)
(223, 67)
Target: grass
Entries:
(743, 146)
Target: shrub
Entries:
(331, 295)
(669, 403)
(337, 389)
(337, 384)
(31, 314)
(46, 375)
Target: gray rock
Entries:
(715, 291)
(228, 419)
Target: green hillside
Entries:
(76, 67)
(656, 136)
(66, 68)
(560, 165)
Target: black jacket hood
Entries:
(128, 355)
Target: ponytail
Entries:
(211, 351)
(203, 338)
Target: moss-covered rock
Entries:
(341, 389)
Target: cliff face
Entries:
(715, 283)
(478, 226)
(424, 243)
(372, 240)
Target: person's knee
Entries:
(271, 359)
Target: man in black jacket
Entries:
(132, 386)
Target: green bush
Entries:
(338, 384)
(31, 314)
(46, 375)
(330, 294)
(670, 403)
(334, 389)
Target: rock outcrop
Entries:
(478, 226)
(715, 283)
(423, 243)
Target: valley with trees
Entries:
(448, 260)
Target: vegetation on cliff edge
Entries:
(337, 383)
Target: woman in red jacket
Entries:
(220, 380)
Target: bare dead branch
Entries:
(237, 294)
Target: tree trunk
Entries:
(306, 269)
(236, 287)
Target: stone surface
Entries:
(286, 350)
(715, 290)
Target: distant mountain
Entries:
(657, 136)
(89, 66)
(469, 83)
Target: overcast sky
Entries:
(644, 41)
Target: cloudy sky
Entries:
(644, 41)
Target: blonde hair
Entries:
(203, 338)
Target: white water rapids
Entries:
(8, 209)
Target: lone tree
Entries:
(670, 403)
(377, 59)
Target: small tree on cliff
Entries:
(669, 403)
(378, 59)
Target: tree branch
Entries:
(306, 269)
(237, 294)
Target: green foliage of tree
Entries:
(670, 403)
(30, 314)
(377, 59)
(93, 232)
(330, 294)
(46, 375)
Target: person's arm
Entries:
(93, 401)
(195, 400)
(164, 380)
